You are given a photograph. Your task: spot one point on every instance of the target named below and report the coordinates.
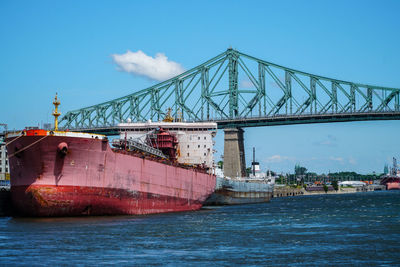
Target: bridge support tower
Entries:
(234, 157)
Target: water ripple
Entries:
(350, 229)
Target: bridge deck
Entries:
(273, 121)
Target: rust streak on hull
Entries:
(78, 201)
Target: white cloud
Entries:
(246, 84)
(158, 68)
(277, 158)
(352, 161)
(339, 159)
(273, 84)
(330, 141)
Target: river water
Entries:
(349, 229)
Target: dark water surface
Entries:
(351, 229)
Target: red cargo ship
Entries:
(392, 179)
(391, 182)
(56, 173)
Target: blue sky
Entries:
(67, 47)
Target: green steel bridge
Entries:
(237, 90)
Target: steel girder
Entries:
(236, 86)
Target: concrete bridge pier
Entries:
(234, 157)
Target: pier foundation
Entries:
(234, 157)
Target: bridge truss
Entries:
(234, 88)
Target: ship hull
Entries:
(50, 200)
(391, 182)
(393, 186)
(230, 192)
(92, 179)
(226, 197)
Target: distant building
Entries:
(352, 183)
(47, 126)
(4, 166)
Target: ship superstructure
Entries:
(194, 141)
(4, 166)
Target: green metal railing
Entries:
(234, 85)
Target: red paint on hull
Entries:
(49, 200)
(393, 186)
(90, 178)
(391, 182)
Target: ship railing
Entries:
(135, 145)
(249, 179)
